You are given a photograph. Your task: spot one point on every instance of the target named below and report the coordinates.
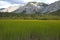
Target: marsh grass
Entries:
(29, 29)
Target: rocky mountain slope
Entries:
(31, 8)
(52, 7)
(34, 7)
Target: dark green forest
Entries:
(37, 16)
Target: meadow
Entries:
(29, 29)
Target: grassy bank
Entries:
(29, 29)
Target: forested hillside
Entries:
(37, 16)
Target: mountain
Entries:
(57, 13)
(2, 9)
(31, 8)
(52, 7)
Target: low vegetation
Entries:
(29, 30)
(29, 26)
(36, 16)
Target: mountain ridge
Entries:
(35, 7)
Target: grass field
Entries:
(29, 29)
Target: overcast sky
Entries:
(6, 3)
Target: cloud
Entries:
(50, 1)
(22, 1)
(4, 4)
(14, 1)
(27, 0)
(45, 1)
(7, 3)
(34, 0)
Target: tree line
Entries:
(36, 16)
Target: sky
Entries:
(7, 3)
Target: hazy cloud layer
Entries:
(22, 1)
(6, 3)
